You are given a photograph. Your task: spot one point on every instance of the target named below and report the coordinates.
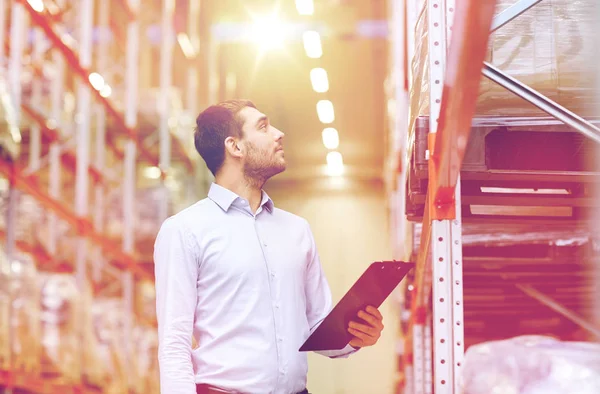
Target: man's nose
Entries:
(278, 134)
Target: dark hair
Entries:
(213, 126)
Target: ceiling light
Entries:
(305, 7)
(186, 45)
(319, 80)
(331, 139)
(37, 5)
(152, 172)
(312, 44)
(15, 133)
(325, 111)
(106, 91)
(51, 124)
(335, 164)
(268, 32)
(96, 80)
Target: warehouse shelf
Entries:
(53, 136)
(437, 173)
(61, 115)
(41, 256)
(44, 21)
(83, 226)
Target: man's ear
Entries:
(234, 147)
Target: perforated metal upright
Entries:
(55, 150)
(102, 61)
(129, 181)
(18, 25)
(166, 59)
(453, 91)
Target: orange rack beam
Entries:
(82, 225)
(38, 385)
(46, 23)
(68, 159)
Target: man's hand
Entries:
(366, 334)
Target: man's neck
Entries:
(249, 189)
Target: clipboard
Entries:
(372, 288)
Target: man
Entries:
(241, 277)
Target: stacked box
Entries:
(547, 48)
(61, 321)
(24, 315)
(109, 317)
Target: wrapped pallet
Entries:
(532, 365)
(4, 312)
(146, 350)
(546, 48)
(145, 338)
(28, 214)
(148, 218)
(24, 315)
(62, 232)
(61, 318)
(109, 316)
(95, 371)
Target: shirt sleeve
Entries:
(176, 273)
(318, 298)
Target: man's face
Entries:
(264, 156)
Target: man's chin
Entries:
(278, 170)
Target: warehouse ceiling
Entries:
(354, 43)
(278, 80)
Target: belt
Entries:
(206, 389)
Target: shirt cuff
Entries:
(345, 352)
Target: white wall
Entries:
(350, 228)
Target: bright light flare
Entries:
(37, 5)
(312, 44)
(268, 32)
(152, 172)
(96, 80)
(106, 91)
(305, 7)
(335, 164)
(331, 138)
(186, 45)
(319, 80)
(325, 111)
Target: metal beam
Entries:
(512, 12)
(457, 102)
(550, 303)
(81, 225)
(453, 95)
(53, 136)
(45, 22)
(129, 178)
(165, 81)
(542, 102)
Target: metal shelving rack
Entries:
(88, 56)
(453, 92)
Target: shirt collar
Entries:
(224, 198)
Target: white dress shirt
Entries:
(249, 288)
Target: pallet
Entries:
(536, 168)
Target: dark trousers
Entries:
(206, 389)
